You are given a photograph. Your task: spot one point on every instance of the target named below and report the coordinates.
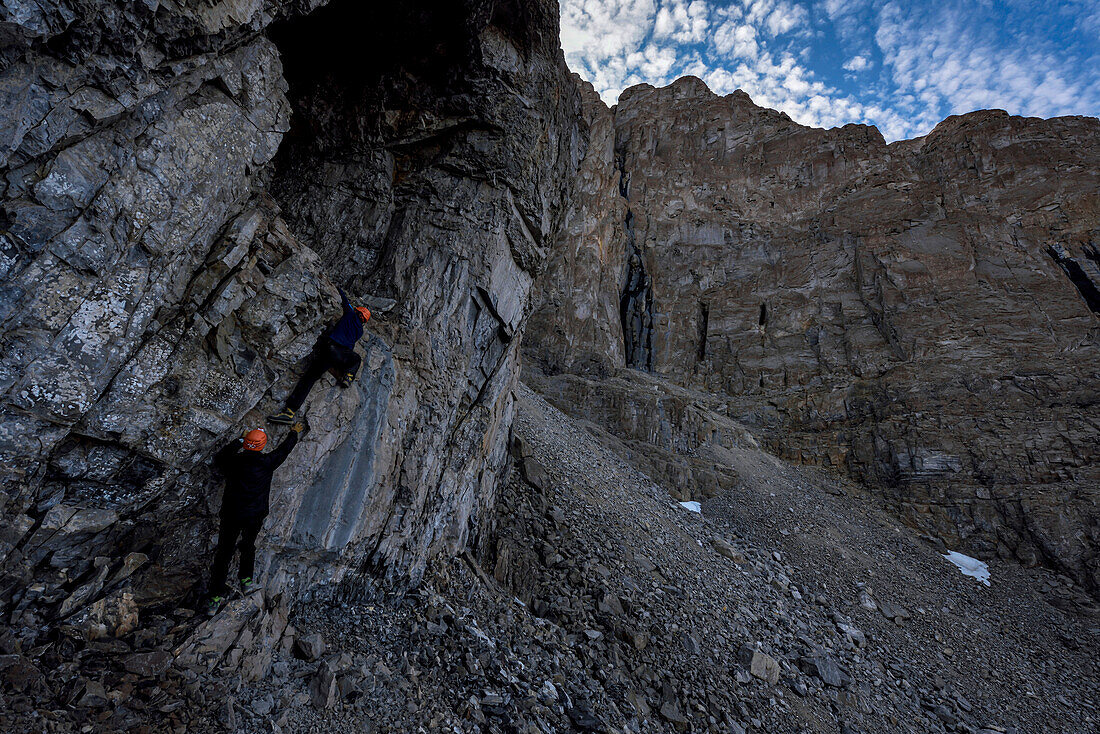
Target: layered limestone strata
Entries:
(164, 273)
(922, 315)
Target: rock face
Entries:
(183, 188)
(435, 171)
(166, 267)
(577, 325)
(922, 315)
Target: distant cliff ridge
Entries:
(921, 315)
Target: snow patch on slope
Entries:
(969, 566)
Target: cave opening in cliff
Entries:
(364, 82)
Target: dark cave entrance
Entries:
(362, 79)
(379, 92)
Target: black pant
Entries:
(227, 536)
(326, 355)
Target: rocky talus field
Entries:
(669, 416)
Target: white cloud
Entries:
(786, 17)
(775, 16)
(734, 39)
(653, 62)
(602, 29)
(682, 21)
(857, 63)
(935, 61)
(954, 68)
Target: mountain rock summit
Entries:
(667, 412)
(923, 316)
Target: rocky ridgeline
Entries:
(921, 315)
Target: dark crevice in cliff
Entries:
(704, 324)
(763, 320)
(624, 177)
(1077, 275)
(636, 295)
(636, 305)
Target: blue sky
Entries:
(900, 65)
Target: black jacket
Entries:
(248, 478)
(349, 329)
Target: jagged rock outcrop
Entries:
(165, 272)
(922, 315)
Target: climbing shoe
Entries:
(214, 605)
(347, 379)
(286, 417)
(248, 585)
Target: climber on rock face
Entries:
(334, 350)
(247, 471)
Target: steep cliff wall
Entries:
(577, 324)
(922, 315)
(166, 267)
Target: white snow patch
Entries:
(692, 506)
(969, 566)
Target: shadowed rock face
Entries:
(921, 314)
(164, 273)
(433, 169)
(577, 325)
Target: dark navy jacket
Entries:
(349, 329)
(248, 478)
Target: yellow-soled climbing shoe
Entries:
(286, 417)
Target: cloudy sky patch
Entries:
(900, 65)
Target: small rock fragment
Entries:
(764, 667)
(310, 647)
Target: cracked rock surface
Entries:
(181, 189)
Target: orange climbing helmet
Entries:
(255, 440)
(364, 313)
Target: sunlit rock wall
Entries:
(922, 315)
